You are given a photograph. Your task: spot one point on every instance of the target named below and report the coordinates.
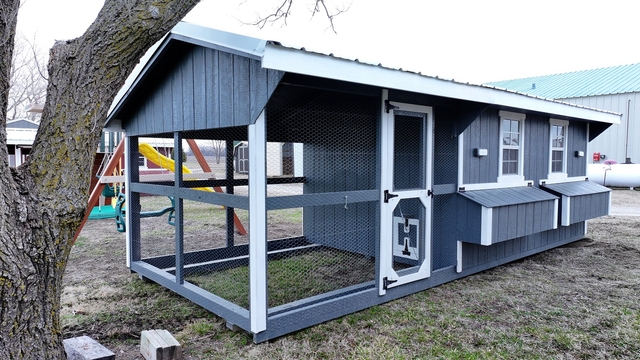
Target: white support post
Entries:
(555, 214)
(127, 215)
(460, 161)
(459, 257)
(258, 225)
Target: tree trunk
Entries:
(44, 200)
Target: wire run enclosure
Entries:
(302, 187)
(309, 200)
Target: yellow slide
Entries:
(152, 154)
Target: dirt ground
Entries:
(102, 299)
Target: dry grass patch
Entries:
(578, 302)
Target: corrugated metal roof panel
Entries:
(299, 60)
(507, 196)
(577, 188)
(602, 81)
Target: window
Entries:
(558, 149)
(511, 145)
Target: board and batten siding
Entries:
(339, 133)
(483, 133)
(445, 178)
(507, 222)
(206, 89)
(612, 141)
(576, 141)
(475, 255)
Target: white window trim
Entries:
(520, 176)
(563, 174)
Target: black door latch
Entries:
(388, 195)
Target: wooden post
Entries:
(95, 194)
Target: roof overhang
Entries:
(300, 61)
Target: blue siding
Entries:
(205, 89)
(536, 147)
(576, 140)
(588, 200)
(445, 172)
(474, 255)
(483, 133)
(516, 212)
(344, 159)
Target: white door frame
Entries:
(388, 276)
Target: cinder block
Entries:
(159, 345)
(85, 348)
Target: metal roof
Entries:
(577, 188)
(299, 60)
(602, 81)
(507, 196)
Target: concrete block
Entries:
(85, 348)
(159, 345)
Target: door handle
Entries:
(388, 195)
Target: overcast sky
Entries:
(470, 41)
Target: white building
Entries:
(20, 137)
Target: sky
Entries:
(464, 40)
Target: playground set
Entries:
(359, 184)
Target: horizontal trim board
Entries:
(217, 305)
(335, 198)
(193, 257)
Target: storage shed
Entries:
(406, 182)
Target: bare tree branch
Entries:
(283, 11)
(321, 5)
(27, 84)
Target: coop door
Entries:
(405, 241)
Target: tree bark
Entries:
(44, 200)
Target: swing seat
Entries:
(121, 212)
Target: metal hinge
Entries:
(388, 107)
(388, 195)
(386, 282)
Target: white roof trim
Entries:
(281, 58)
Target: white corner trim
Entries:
(459, 257)
(566, 210)
(257, 226)
(555, 214)
(486, 232)
(461, 160)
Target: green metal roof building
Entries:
(615, 88)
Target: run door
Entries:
(405, 226)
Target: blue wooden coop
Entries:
(402, 181)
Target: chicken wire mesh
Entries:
(320, 232)
(321, 151)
